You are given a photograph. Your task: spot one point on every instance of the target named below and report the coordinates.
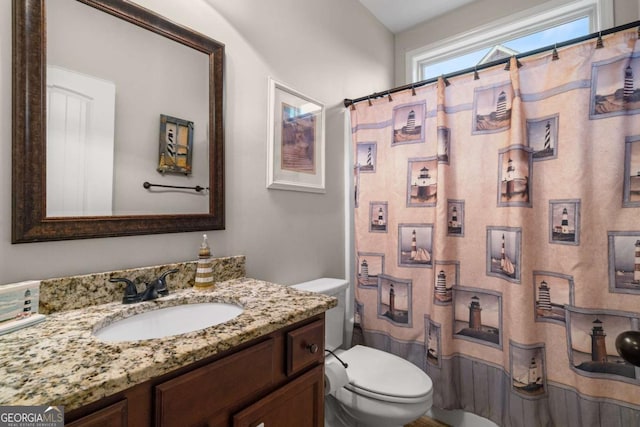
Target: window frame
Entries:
(538, 18)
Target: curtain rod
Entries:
(348, 102)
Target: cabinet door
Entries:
(300, 403)
(112, 416)
(204, 396)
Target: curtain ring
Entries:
(389, 95)
(554, 55)
(369, 99)
(599, 43)
(413, 90)
(507, 67)
(476, 76)
(353, 106)
(446, 82)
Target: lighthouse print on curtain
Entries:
(497, 234)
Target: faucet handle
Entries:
(161, 283)
(130, 291)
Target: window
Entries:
(531, 29)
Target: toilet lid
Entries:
(385, 374)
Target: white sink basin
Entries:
(165, 322)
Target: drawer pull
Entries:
(313, 348)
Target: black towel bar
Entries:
(197, 188)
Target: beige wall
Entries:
(286, 236)
(476, 14)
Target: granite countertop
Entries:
(60, 362)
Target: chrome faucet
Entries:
(154, 289)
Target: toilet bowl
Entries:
(383, 390)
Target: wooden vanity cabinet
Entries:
(277, 380)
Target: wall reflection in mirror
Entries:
(108, 84)
(108, 95)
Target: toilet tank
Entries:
(334, 318)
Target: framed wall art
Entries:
(176, 145)
(296, 141)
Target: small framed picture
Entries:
(433, 340)
(296, 141)
(564, 221)
(624, 261)
(492, 108)
(366, 156)
(631, 197)
(176, 145)
(542, 135)
(455, 218)
(422, 181)
(395, 300)
(378, 217)
(477, 316)
(528, 369)
(504, 253)
(415, 245)
(408, 123)
(515, 168)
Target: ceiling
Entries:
(400, 15)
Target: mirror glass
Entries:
(108, 84)
(109, 97)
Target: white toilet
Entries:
(384, 390)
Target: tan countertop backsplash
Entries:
(69, 293)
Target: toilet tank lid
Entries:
(325, 285)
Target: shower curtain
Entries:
(497, 234)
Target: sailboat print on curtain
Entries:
(503, 252)
(415, 245)
(433, 341)
(527, 369)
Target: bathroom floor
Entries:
(427, 422)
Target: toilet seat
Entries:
(384, 376)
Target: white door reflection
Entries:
(80, 144)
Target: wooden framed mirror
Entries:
(31, 219)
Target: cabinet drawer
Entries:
(305, 346)
(200, 395)
(112, 416)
